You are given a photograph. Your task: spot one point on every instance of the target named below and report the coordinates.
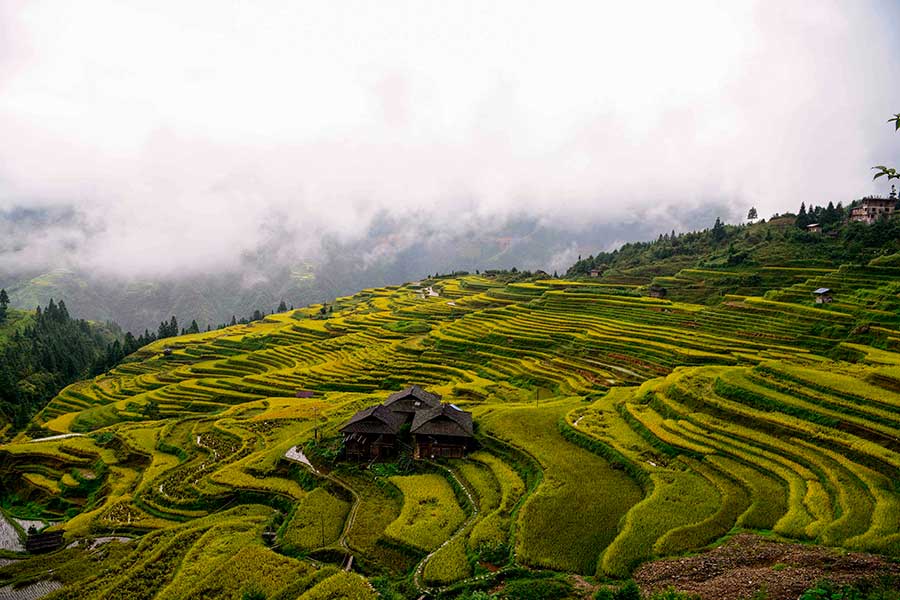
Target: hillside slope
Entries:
(614, 428)
(749, 259)
(40, 353)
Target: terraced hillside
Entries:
(613, 428)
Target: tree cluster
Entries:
(43, 357)
(829, 217)
(55, 350)
(665, 246)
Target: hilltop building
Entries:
(873, 208)
(814, 228)
(437, 430)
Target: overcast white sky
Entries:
(196, 129)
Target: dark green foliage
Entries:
(629, 591)
(4, 302)
(253, 594)
(825, 590)
(747, 246)
(537, 589)
(45, 356)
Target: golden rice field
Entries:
(613, 429)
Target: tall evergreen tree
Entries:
(282, 307)
(4, 302)
(718, 230)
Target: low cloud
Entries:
(175, 139)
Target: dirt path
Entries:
(296, 454)
(56, 437)
(420, 568)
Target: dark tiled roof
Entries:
(427, 399)
(445, 419)
(374, 419)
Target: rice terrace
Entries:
(610, 429)
(468, 300)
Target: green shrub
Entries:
(537, 589)
(672, 594)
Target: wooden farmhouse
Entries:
(411, 400)
(437, 430)
(372, 433)
(445, 431)
(814, 228)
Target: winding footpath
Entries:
(295, 453)
(420, 568)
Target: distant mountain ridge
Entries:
(391, 253)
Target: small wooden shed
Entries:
(823, 295)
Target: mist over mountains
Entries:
(264, 153)
(392, 251)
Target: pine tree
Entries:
(718, 230)
(194, 328)
(4, 302)
(282, 307)
(752, 214)
(802, 217)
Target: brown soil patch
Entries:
(747, 563)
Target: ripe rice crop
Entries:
(316, 521)
(430, 511)
(551, 534)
